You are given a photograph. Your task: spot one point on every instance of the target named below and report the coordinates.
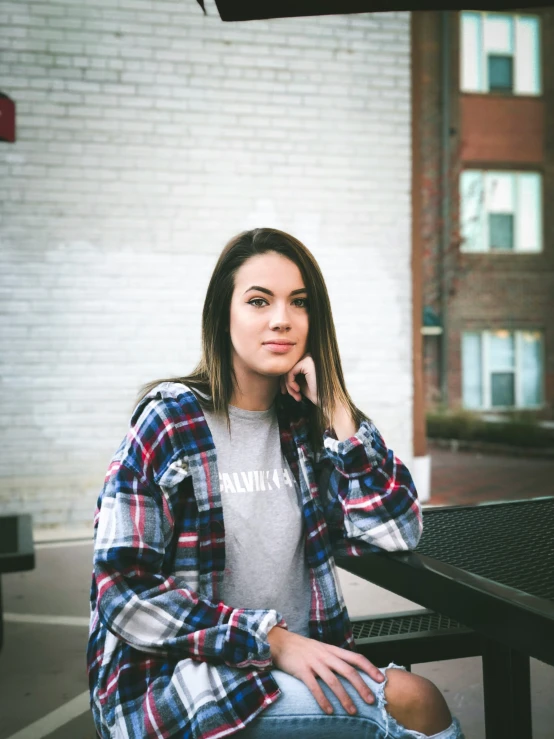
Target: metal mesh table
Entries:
(490, 567)
(508, 543)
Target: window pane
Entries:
(531, 367)
(501, 231)
(499, 33)
(501, 351)
(472, 386)
(527, 71)
(472, 210)
(501, 78)
(500, 192)
(529, 212)
(471, 52)
(502, 389)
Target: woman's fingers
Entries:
(307, 386)
(288, 385)
(308, 660)
(354, 677)
(358, 660)
(293, 388)
(336, 686)
(314, 687)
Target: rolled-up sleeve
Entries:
(370, 499)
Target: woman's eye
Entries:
(303, 301)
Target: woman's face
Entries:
(269, 304)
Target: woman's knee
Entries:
(416, 702)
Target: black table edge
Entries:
(495, 610)
(430, 508)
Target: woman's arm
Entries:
(139, 598)
(369, 496)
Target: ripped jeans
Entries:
(297, 714)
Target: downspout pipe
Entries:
(445, 200)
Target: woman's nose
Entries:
(279, 317)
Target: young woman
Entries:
(215, 603)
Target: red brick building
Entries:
(484, 206)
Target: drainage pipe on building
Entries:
(445, 200)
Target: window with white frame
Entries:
(500, 211)
(502, 369)
(500, 52)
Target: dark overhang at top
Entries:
(247, 10)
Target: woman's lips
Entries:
(279, 348)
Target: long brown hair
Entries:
(214, 375)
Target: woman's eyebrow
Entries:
(268, 292)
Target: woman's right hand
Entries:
(308, 659)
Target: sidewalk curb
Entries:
(488, 447)
(50, 534)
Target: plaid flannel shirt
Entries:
(166, 658)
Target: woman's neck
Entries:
(259, 396)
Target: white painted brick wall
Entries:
(147, 135)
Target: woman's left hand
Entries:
(306, 384)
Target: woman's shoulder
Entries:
(166, 400)
(168, 416)
(170, 389)
(167, 425)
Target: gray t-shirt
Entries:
(265, 561)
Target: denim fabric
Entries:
(298, 715)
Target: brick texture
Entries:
(493, 290)
(148, 134)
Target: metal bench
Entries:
(17, 552)
(410, 637)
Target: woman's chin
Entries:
(275, 368)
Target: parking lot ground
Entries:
(465, 478)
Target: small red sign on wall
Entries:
(7, 118)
